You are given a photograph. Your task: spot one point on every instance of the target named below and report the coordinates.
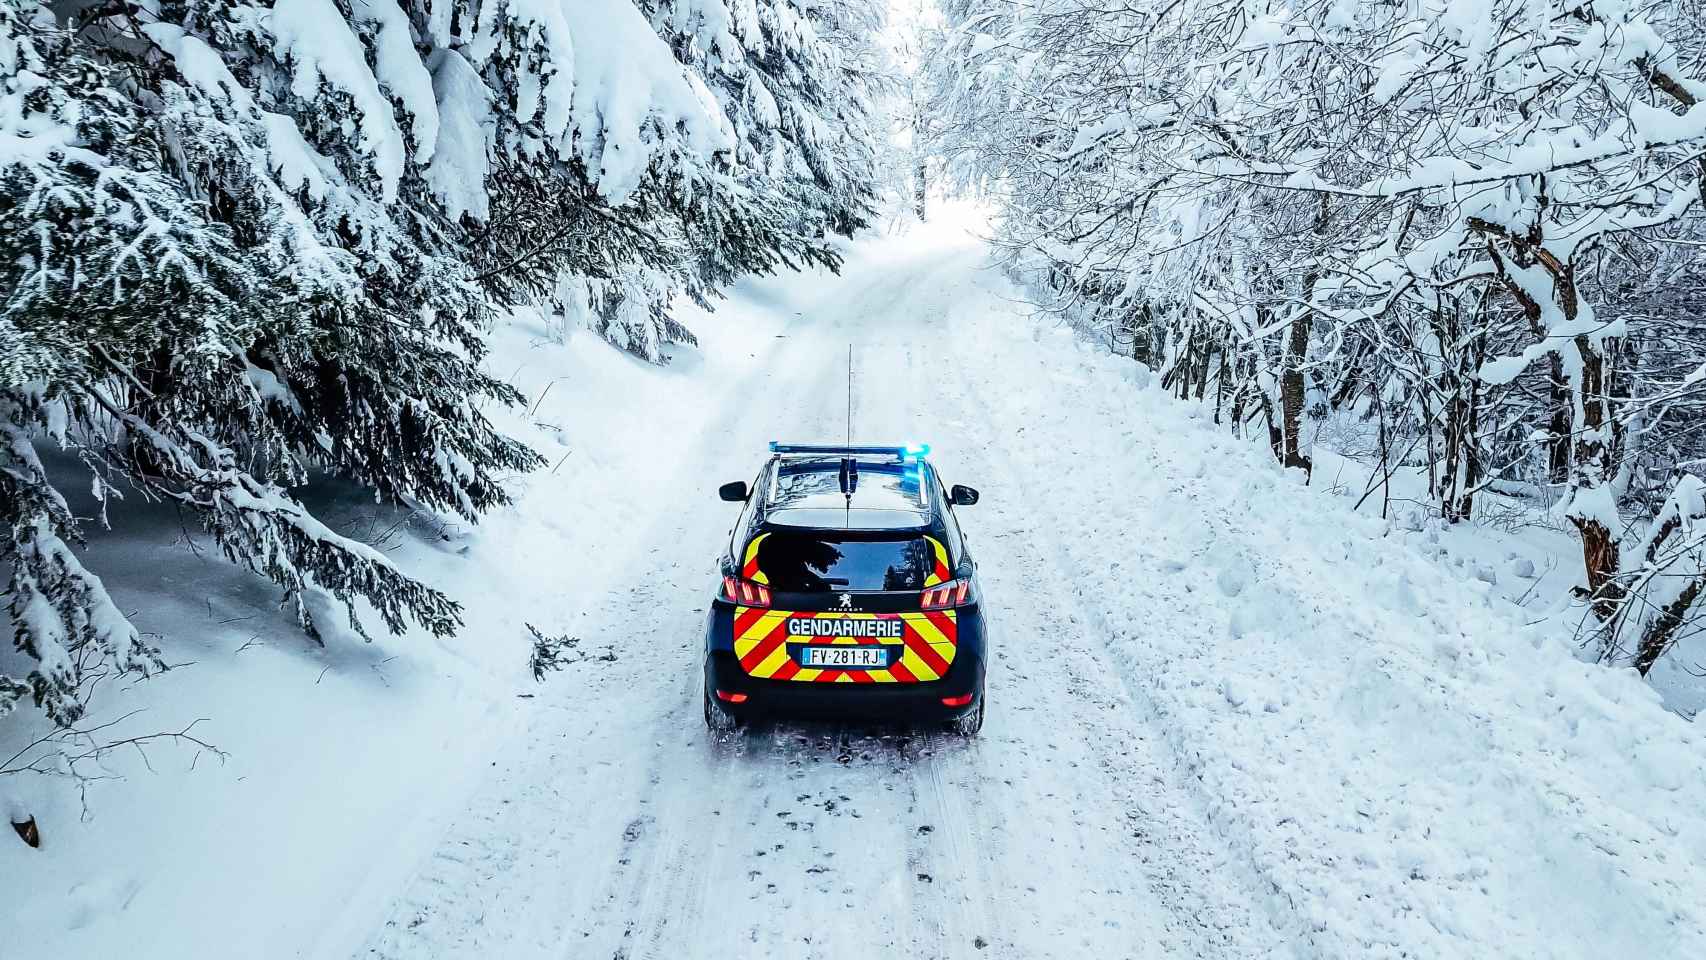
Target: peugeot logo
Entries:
(847, 601)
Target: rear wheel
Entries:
(971, 722)
(718, 719)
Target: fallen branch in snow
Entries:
(550, 654)
(80, 754)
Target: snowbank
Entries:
(341, 764)
(1413, 769)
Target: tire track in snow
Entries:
(515, 872)
(962, 894)
(666, 909)
(947, 864)
(705, 910)
(659, 867)
(1175, 835)
(659, 898)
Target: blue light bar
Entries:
(902, 451)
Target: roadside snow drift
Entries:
(1412, 770)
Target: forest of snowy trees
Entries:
(248, 245)
(1474, 227)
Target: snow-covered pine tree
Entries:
(246, 243)
(243, 243)
(846, 167)
(801, 100)
(106, 256)
(795, 82)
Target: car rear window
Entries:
(816, 483)
(817, 563)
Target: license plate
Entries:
(844, 656)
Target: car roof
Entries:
(886, 494)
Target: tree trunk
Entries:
(1220, 379)
(1141, 334)
(1202, 369)
(1293, 388)
(1472, 468)
(1592, 471)
(1240, 396)
(1462, 468)
(918, 187)
(1292, 392)
(1661, 632)
(1451, 474)
(153, 381)
(1557, 394)
(1558, 427)
(1432, 448)
(1590, 467)
(1276, 436)
(1684, 507)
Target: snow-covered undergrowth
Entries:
(1414, 768)
(1518, 545)
(339, 762)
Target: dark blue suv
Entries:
(847, 591)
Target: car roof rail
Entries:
(900, 451)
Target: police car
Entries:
(847, 591)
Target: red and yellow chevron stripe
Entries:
(928, 639)
(939, 572)
(928, 642)
(749, 566)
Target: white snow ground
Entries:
(1228, 717)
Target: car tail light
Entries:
(950, 594)
(731, 697)
(958, 701)
(746, 592)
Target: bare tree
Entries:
(1478, 221)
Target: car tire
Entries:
(970, 723)
(718, 719)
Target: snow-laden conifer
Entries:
(244, 245)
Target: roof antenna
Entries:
(850, 393)
(849, 467)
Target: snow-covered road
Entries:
(617, 827)
(1228, 717)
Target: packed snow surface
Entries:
(1228, 717)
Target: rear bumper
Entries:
(885, 701)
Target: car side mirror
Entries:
(736, 492)
(962, 495)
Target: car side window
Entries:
(956, 539)
(743, 525)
